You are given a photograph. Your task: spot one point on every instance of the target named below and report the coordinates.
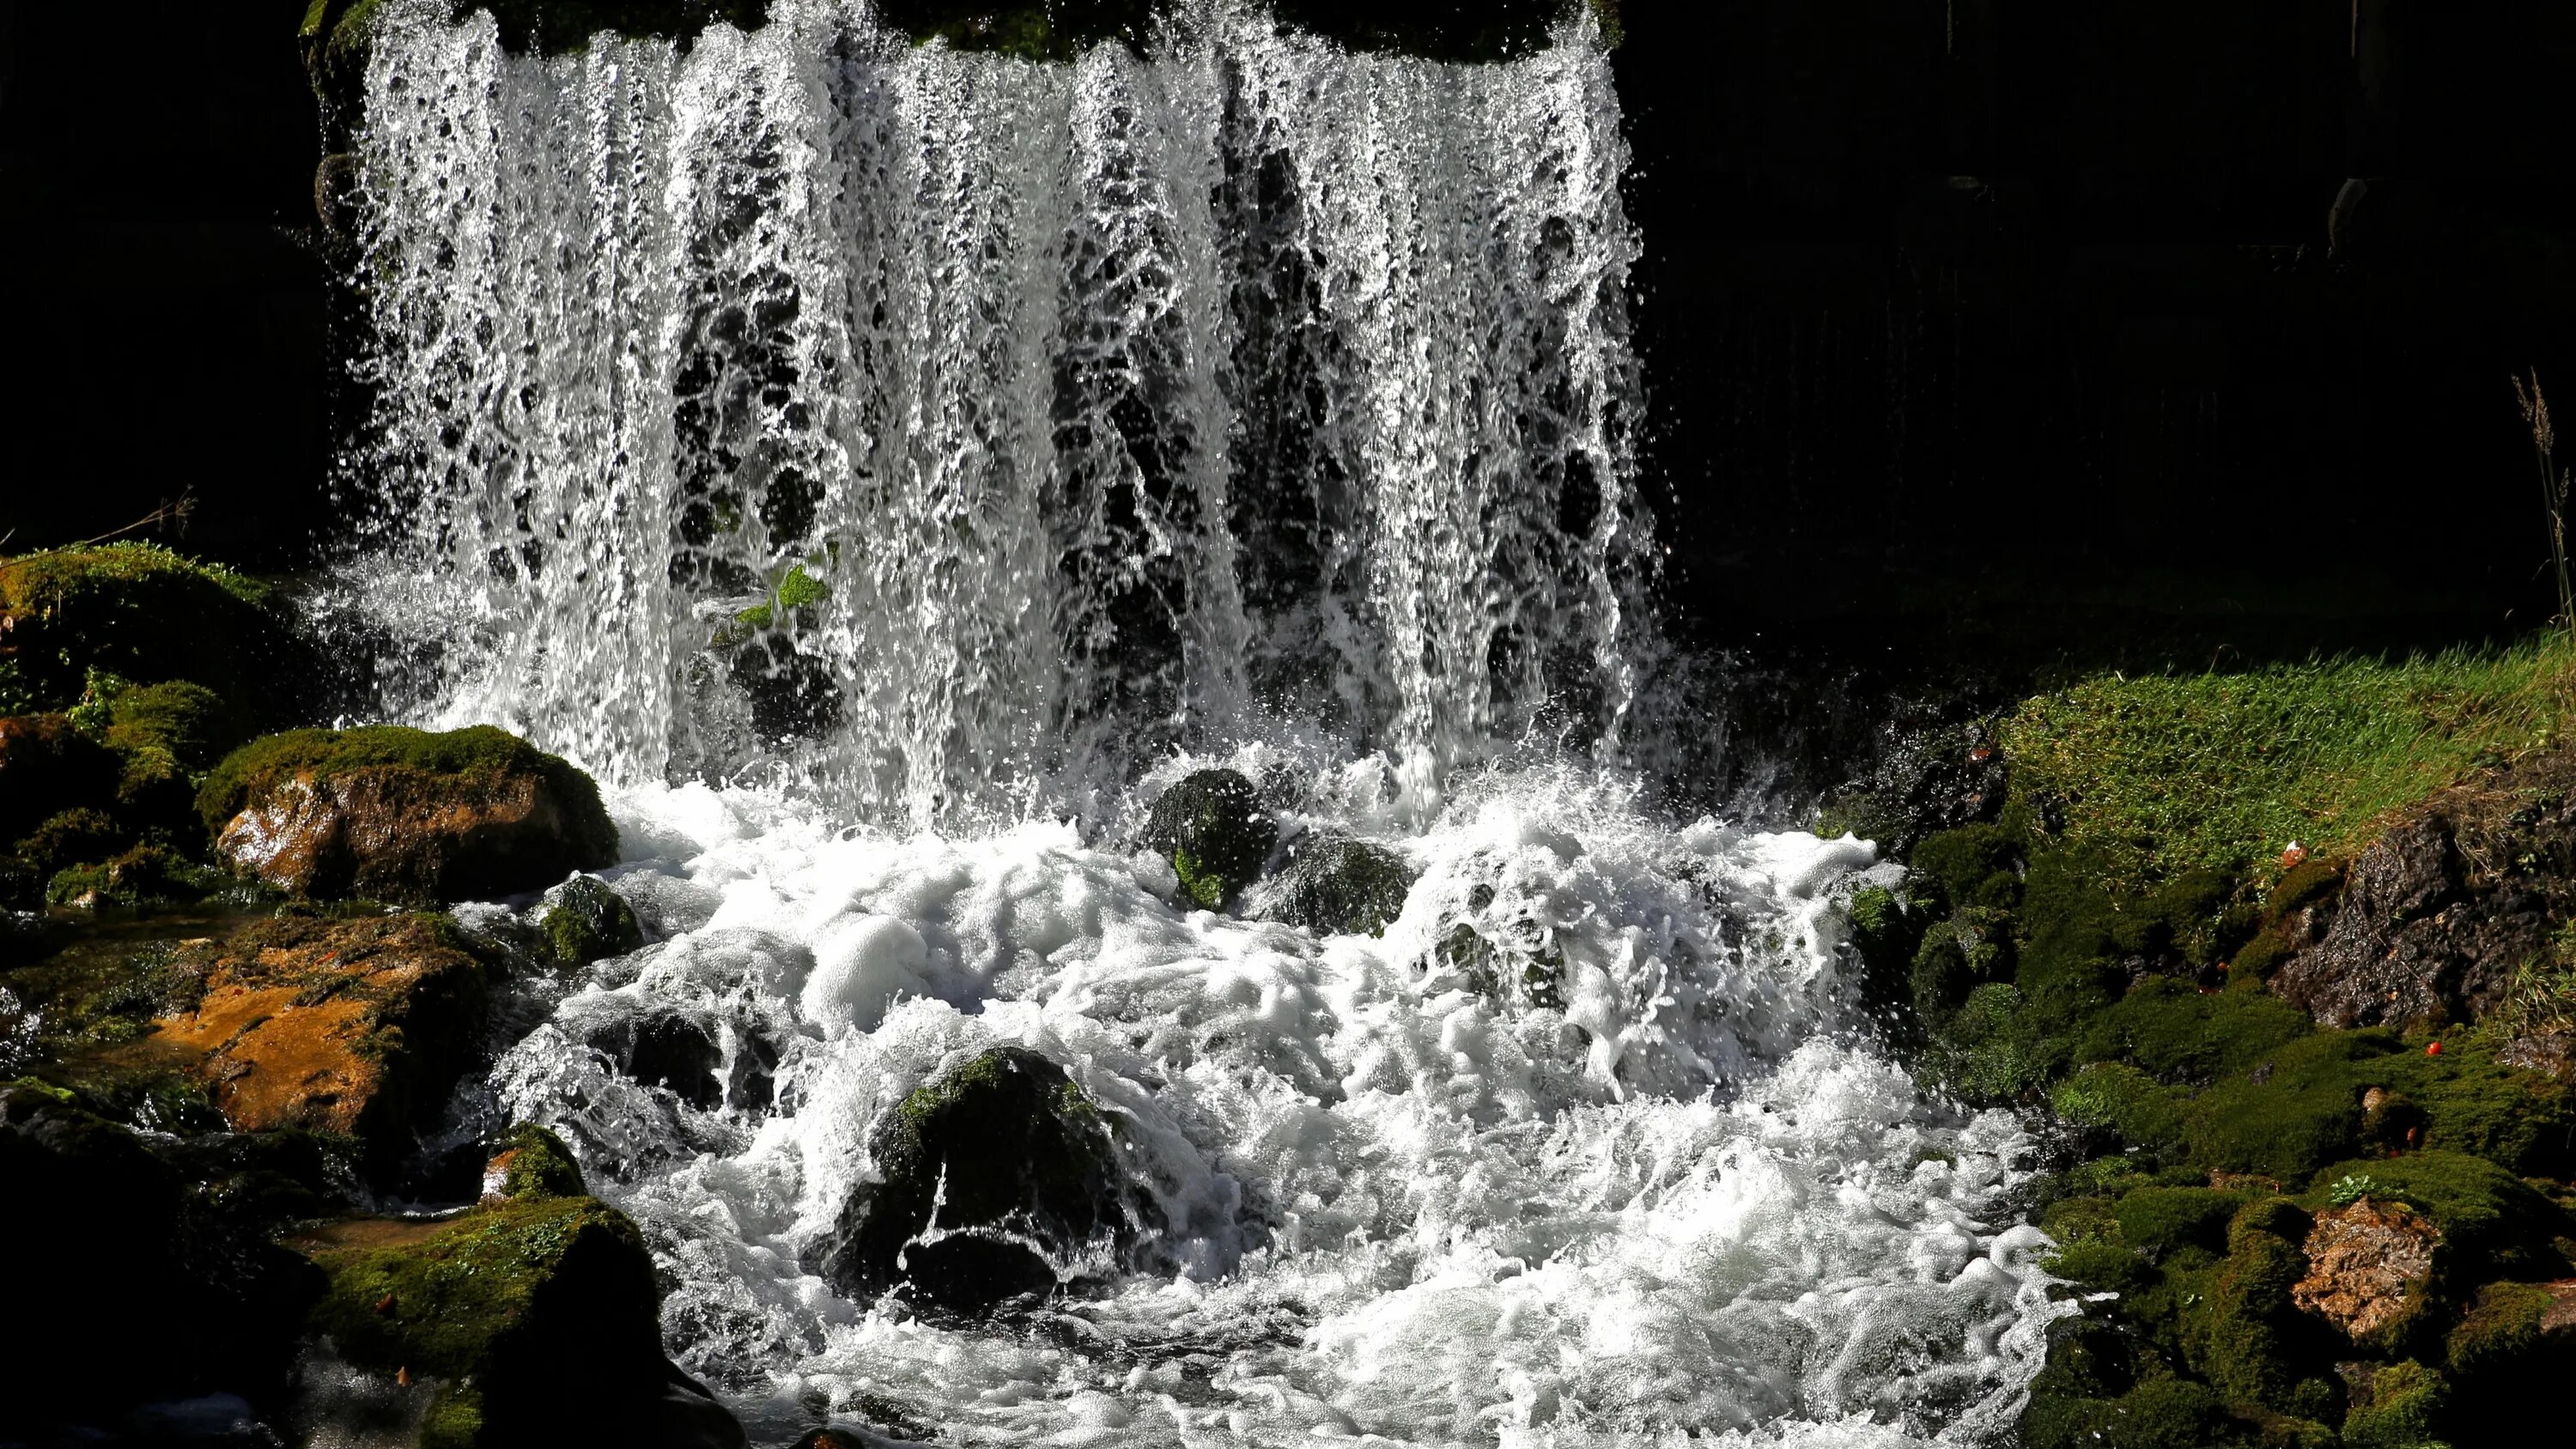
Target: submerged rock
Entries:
(992, 1176)
(404, 815)
(1213, 829)
(1335, 885)
(531, 1319)
(359, 1028)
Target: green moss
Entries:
(585, 920)
(1334, 885)
(70, 838)
(539, 1166)
(136, 611)
(2491, 1221)
(796, 590)
(1212, 827)
(2159, 1221)
(490, 1302)
(2162, 774)
(2117, 1098)
(2407, 1409)
(2247, 1337)
(189, 722)
(2180, 1035)
(477, 752)
(2161, 1413)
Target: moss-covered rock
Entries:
(2406, 1408)
(1018, 1165)
(584, 920)
(530, 1164)
(188, 722)
(402, 814)
(1216, 833)
(1335, 885)
(136, 611)
(535, 1317)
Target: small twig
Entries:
(171, 511)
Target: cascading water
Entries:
(885, 466)
(1097, 408)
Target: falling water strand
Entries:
(1040, 418)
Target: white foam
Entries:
(1397, 1201)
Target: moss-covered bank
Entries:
(2289, 1223)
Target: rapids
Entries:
(887, 468)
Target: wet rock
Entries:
(136, 1258)
(354, 1027)
(2368, 1266)
(48, 767)
(1214, 830)
(584, 920)
(1017, 1165)
(667, 1048)
(399, 814)
(533, 1319)
(532, 1164)
(1334, 885)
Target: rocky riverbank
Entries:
(2284, 961)
(225, 1050)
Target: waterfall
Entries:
(1039, 419)
(887, 467)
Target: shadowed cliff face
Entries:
(2019, 323)
(1990, 321)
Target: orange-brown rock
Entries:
(358, 1027)
(404, 815)
(2367, 1265)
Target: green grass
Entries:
(2158, 775)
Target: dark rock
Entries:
(131, 1252)
(46, 768)
(2419, 938)
(1214, 830)
(1017, 1163)
(585, 920)
(666, 1048)
(405, 815)
(1333, 884)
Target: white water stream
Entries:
(1252, 404)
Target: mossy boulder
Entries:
(1216, 833)
(536, 1320)
(145, 1256)
(530, 1164)
(136, 611)
(191, 724)
(401, 814)
(1017, 1164)
(1335, 885)
(585, 920)
(356, 1028)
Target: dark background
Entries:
(1995, 327)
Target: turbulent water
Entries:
(887, 468)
